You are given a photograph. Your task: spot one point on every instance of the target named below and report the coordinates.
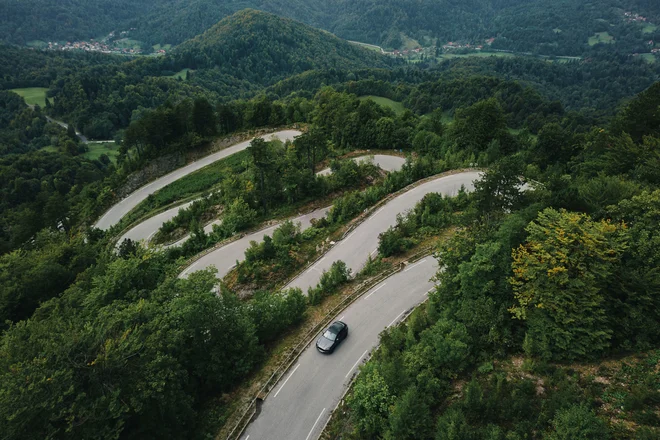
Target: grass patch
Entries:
(33, 95)
(191, 185)
(601, 37)
(648, 57)
(649, 28)
(97, 149)
(37, 44)
(409, 43)
(128, 43)
(367, 46)
(449, 56)
(50, 149)
(162, 46)
(180, 75)
(386, 102)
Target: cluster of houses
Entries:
(454, 46)
(404, 52)
(93, 46)
(634, 17)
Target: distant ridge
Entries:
(264, 48)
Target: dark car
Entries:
(331, 338)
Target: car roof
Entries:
(337, 326)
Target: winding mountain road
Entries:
(145, 230)
(384, 161)
(355, 249)
(224, 258)
(114, 214)
(300, 405)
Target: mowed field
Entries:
(394, 105)
(97, 149)
(33, 95)
(601, 37)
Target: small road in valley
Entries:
(114, 214)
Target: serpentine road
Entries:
(299, 407)
(114, 214)
(355, 249)
(145, 230)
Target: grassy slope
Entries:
(386, 102)
(33, 95)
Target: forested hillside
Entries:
(544, 322)
(548, 27)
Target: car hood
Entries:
(324, 343)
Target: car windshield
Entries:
(330, 335)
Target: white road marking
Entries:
(395, 319)
(373, 252)
(317, 420)
(358, 361)
(342, 317)
(318, 262)
(415, 265)
(350, 235)
(381, 286)
(151, 235)
(287, 379)
(376, 213)
(247, 438)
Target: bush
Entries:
(330, 280)
(273, 314)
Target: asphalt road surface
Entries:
(224, 258)
(384, 161)
(355, 249)
(114, 214)
(300, 405)
(145, 230)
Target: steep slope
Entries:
(264, 48)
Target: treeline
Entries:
(566, 272)
(131, 353)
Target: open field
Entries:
(97, 149)
(367, 46)
(449, 56)
(162, 46)
(648, 57)
(180, 75)
(33, 95)
(601, 37)
(649, 28)
(386, 102)
(127, 43)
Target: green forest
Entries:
(543, 322)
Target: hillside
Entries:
(265, 48)
(551, 27)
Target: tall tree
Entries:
(559, 275)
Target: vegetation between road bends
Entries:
(330, 281)
(432, 214)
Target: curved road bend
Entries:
(224, 258)
(385, 162)
(145, 230)
(355, 249)
(114, 214)
(300, 405)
